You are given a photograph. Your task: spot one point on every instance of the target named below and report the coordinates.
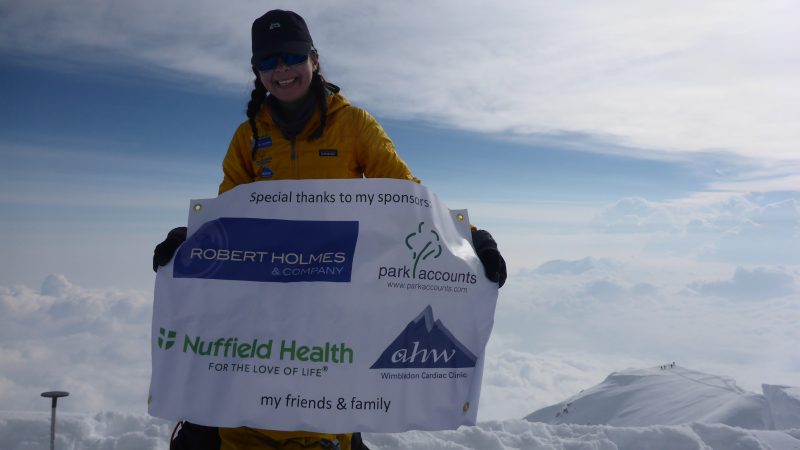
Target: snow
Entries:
(654, 408)
(784, 405)
(126, 431)
(669, 396)
(673, 395)
(105, 430)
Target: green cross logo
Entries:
(166, 339)
(423, 244)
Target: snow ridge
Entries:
(674, 395)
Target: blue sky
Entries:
(100, 154)
(646, 154)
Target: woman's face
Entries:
(290, 83)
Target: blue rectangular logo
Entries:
(269, 250)
(264, 142)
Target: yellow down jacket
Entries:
(353, 145)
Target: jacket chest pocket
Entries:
(328, 162)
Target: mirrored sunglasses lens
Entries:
(268, 63)
(291, 59)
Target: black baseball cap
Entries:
(280, 31)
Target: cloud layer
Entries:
(687, 78)
(92, 343)
(555, 334)
(95, 344)
(730, 321)
(735, 227)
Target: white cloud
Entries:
(738, 228)
(549, 341)
(93, 343)
(688, 77)
(767, 177)
(577, 267)
(635, 215)
(657, 310)
(746, 230)
(757, 284)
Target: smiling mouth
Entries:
(285, 83)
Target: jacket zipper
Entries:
(294, 158)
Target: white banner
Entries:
(322, 305)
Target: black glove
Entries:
(166, 250)
(492, 260)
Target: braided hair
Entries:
(319, 89)
(257, 97)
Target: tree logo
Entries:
(166, 339)
(423, 245)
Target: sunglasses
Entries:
(271, 62)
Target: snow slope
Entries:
(123, 431)
(784, 405)
(673, 395)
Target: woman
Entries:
(300, 127)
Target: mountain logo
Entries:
(425, 344)
(166, 339)
(423, 244)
